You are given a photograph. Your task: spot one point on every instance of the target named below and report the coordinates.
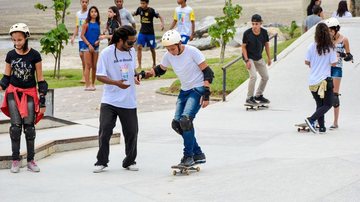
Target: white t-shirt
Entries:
(126, 17)
(347, 14)
(80, 20)
(184, 16)
(186, 67)
(118, 69)
(320, 65)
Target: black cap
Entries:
(256, 18)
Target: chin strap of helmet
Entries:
(179, 48)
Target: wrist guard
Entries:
(159, 71)
(341, 54)
(348, 57)
(4, 82)
(207, 93)
(42, 101)
(43, 87)
(142, 74)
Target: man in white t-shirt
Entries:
(116, 69)
(320, 56)
(184, 18)
(81, 16)
(125, 15)
(195, 77)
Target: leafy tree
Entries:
(224, 29)
(53, 40)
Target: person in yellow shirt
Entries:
(184, 19)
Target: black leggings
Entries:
(18, 123)
(323, 104)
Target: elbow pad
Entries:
(43, 87)
(348, 57)
(208, 74)
(5, 81)
(159, 71)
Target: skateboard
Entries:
(302, 127)
(256, 106)
(185, 169)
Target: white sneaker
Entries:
(132, 167)
(15, 166)
(32, 166)
(99, 169)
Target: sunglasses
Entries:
(130, 43)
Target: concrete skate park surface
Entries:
(251, 155)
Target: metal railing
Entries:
(225, 67)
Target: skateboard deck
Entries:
(302, 127)
(256, 106)
(185, 169)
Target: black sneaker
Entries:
(251, 100)
(200, 158)
(187, 161)
(322, 130)
(261, 99)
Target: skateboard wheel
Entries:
(247, 109)
(197, 169)
(298, 129)
(174, 172)
(308, 130)
(187, 172)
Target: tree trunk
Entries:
(355, 7)
(58, 66)
(55, 65)
(222, 53)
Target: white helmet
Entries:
(332, 22)
(20, 27)
(171, 37)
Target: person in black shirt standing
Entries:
(112, 23)
(146, 35)
(254, 41)
(21, 102)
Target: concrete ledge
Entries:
(55, 146)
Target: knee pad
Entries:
(15, 132)
(176, 126)
(336, 100)
(29, 131)
(186, 123)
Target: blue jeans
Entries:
(188, 105)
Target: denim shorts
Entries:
(336, 72)
(86, 49)
(82, 46)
